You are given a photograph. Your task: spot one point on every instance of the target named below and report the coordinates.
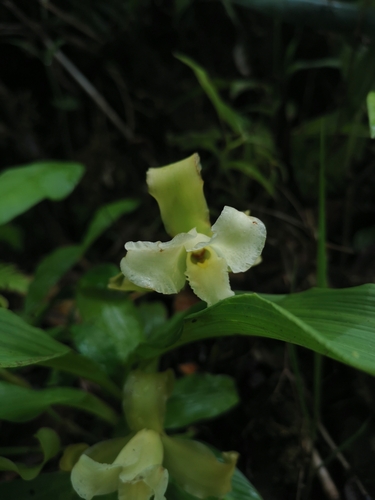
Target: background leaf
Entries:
(55, 265)
(22, 344)
(105, 217)
(23, 187)
(12, 279)
(371, 113)
(198, 397)
(84, 367)
(225, 112)
(24, 404)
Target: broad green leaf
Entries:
(337, 323)
(12, 279)
(20, 404)
(198, 397)
(253, 172)
(55, 485)
(23, 187)
(55, 265)
(225, 112)
(81, 366)
(22, 344)
(50, 445)
(320, 14)
(48, 273)
(371, 113)
(111, 328)
(105, 217)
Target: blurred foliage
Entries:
(121, 86)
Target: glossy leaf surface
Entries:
(337, 323)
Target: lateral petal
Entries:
(90, 478)
(157, 266)
(239, 238)
(209, 277)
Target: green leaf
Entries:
(20, 404)
(23, 187)
(56, 486)
(371, 113)
(55, 265)
(22, 344)
(199, 396)
(253, 172)
(105, 217)
(225, 112)
(337, 323)
(48, 273)
(81, 366)
(111, 328)
(12, 279)
(50, 445)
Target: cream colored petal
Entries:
(209, 278)
(157, 266)
(153, 481)
(90, 478)
(144, 450)
(178, 189)
(195, 468)
(135, 490)
(240, 239)
(157, 479)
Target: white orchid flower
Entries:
(136, 473)
(235, 245)
(199, 253)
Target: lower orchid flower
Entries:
(138, 466)
(136, 472)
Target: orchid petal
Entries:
(209, 278)
(178, 189)
(151, 482)
(144, 450)
(196, 469)
(90, 478)
(157, 266)
(239, 239)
